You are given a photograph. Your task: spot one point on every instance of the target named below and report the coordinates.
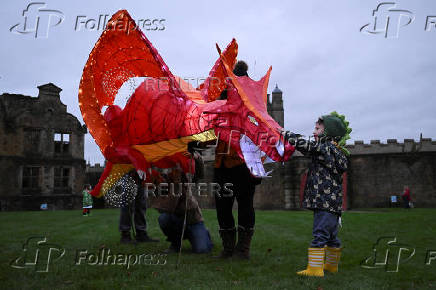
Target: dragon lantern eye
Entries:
(253, 120)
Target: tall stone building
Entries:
(41, 152)
(275, 106)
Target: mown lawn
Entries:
(278, 251)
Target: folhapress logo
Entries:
(38, 20)
(38, 254)
(388, 254)
(387, 20)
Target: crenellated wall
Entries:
(380, 170)
(392, 146)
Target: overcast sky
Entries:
(320, 58)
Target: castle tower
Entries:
(275, 106)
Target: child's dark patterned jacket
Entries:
(323, 189)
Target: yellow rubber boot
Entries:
(315, 266)
(332, 257)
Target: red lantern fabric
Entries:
(165, 113)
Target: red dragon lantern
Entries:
(165, 113)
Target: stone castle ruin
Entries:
(41, 152)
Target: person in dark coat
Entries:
(230, 168)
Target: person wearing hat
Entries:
(323, 190)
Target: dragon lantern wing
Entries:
(216, 82)
(121, 52)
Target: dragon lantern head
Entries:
(243, 122)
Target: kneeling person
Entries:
(172, 207)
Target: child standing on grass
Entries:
(323, 190)
(87, 200)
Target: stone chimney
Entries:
(49, 91)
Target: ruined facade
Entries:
(41, 152)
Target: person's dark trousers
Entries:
(197, 234)
(325, 229)
(406, 202)
(243, 187)
(137, 208)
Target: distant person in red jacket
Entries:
(406, 197)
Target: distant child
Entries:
(323, 190)
(87, 200)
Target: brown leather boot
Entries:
(143, 237)
(228, 236)
(126, 238)
(242, 249)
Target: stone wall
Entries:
(29, 127)
(379, 170)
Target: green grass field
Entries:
(279, 249)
